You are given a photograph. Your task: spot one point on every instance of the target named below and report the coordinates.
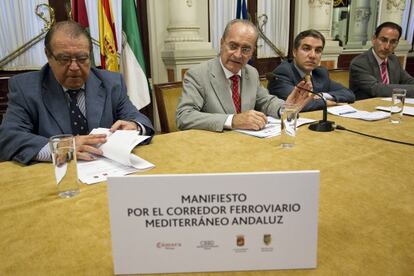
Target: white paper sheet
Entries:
(119, 160)
(407, 100)
(408, 110)
(272, 128)
(353, 113)
(90, 172)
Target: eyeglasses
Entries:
(385, 40)
(67, 60)
(245, 50)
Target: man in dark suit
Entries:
(225, 92)
(307, 52)
(377, 71)
(40, 103)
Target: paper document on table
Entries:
(408, 110)
(119, 145)
(272, 127)
(407, 100)
(90, 172)
(353, 113)
(119, 159)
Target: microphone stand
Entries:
(322, 125)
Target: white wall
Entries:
(158, 17)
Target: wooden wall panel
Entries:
(344, 60)
(266, 65)
(410, 66)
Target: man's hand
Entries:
(331, 103)
(251, 119)
(86, 146)
(124, 125)
(328, 102)
(299, 96)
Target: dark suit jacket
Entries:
(288, 76)
(37, 109)
(365, 77)
(206, 101)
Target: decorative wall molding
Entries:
(395, 5)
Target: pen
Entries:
(347, 112)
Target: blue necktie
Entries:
(78, 121)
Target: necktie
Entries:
(235, 93)
(384, 75)
(78, 121)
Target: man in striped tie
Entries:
(376, 72)
(66, 96)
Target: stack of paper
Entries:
(118, 159)
(272, 128)
(407, 100)
(351, 112)
(408, 110)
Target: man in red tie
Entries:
(225, 92)
(376, 72)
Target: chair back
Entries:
(167, 95)
(340, 75)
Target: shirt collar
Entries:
(301, 73)
(227, 72)
(66, 89)
(379, 60)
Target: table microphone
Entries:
(323, 125)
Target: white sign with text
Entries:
(214, 222)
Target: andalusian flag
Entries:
(80, 15)
(133, 63)
(107, 37)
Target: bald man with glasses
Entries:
(225, 92)
(377, 71)
(66, 96)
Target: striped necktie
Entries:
(235, 93)
(78, 121)
(384, 74)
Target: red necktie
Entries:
(235, 92)
(384, 75)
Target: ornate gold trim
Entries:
(259, 25)
(48, 24)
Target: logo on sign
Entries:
(267, 239)
(240, 240)
(168, 245)
(207, 244)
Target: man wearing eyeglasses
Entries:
(377, 71)
(66, 96)
(225, 92)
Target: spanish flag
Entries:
(107, 37)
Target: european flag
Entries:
(241, 12)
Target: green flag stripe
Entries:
(130, 27)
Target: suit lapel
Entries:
(393, 64)
(221, 89)
(54, 99)
(95, 100)
(245, 87)
(374, 65)
(317, 83)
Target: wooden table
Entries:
(366, 213)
